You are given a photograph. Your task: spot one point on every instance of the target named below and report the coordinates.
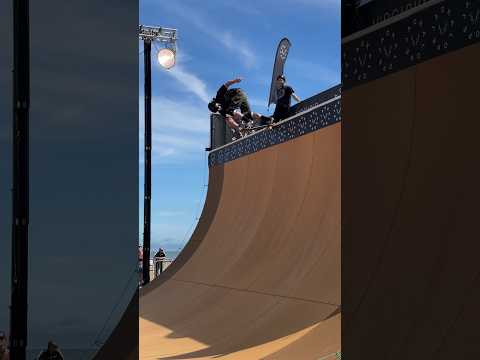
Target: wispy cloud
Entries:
(244, 8)
(174, 231)
(169, 115)
(175, 145)
(165, 152)
(179, 115)
(179, 129)
(170, 213)
(319, 3)
(315, 71)
(236, 45)
(190, 82)
(168, 243)
(258, 102)
(175, 140)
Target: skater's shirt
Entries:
(231, 99)
(50, 355)
(284, 101)
(160, 254)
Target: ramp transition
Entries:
(260, 277)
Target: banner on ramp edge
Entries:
(280, 58)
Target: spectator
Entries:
(284, 101)
(140, 264)
(160, 254)
(158, 261)
(52, 352)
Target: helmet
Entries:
(213, 106)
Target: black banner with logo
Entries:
(280, 58)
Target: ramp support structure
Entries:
(20, 190)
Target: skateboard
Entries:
(269, 126)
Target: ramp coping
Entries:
(277, 124)
(390, 21)
(424, 32)
(307, 120)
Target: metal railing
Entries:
(159, 266)
(221, 135)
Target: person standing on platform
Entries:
(160, 254)
(284, 99)
(158, 260)
(52, 352)
(140, 264)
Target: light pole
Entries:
(166, 58)
(20, 194)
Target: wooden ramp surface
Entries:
(260, 277)
(411, 274)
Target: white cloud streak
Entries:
(329, 4)
(258, 102)
(170, 213)
(314, 71)
(179, 115)
(238, 46)
(180, 129)
(190, 82)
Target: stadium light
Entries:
(166, 37)
(166, 58)
(20, 188)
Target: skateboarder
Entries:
(232, 104)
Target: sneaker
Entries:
(244, 132)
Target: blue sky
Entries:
(220, 40)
